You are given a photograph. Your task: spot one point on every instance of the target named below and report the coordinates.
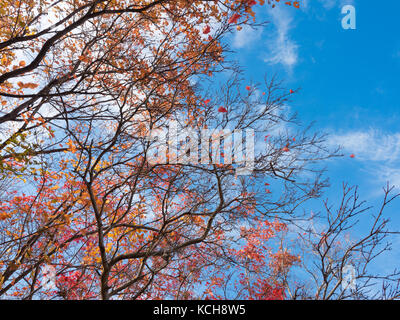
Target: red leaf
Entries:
(234, 18)
(206, 29)
(222, 109)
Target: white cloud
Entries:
(328, 4)
(283, 50)
(391, 174)
(246, 36)
(378, 152)
(370, 145)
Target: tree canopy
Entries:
(82, 84)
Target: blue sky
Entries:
(349, 82)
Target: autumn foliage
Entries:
(81, 85)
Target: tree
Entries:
(78, 93)
(83, 86)
(339, 260)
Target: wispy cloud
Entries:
(282, 49)
(371, 145)
(246, 37)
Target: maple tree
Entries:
(82, 83)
